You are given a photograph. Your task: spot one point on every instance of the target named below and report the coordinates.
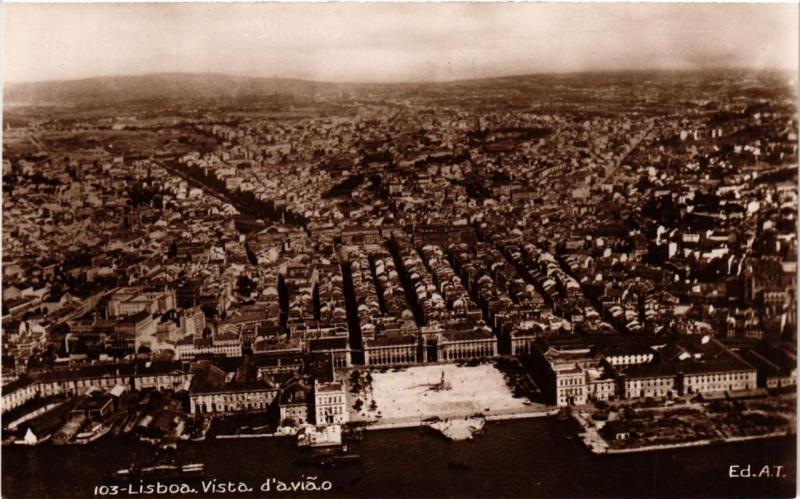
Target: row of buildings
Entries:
(575, 371)
(301, 389)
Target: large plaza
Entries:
(413, 394)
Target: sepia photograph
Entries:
(367, 250)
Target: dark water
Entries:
(524, 458)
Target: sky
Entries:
(388, 42)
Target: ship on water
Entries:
(166, 465)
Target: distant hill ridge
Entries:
(213, 85)
(157, 86)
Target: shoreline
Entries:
(396, 425)
(599, 446)
(494, 417)
(697, 443)
(255, 435)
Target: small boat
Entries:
(168, 446)
(165, 465)
(193, 469)
(329, 459)
(163, 471)
(91, 437)
(22, 441)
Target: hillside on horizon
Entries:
(218, 85)
(156, 86)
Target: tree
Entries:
(172, 252)
(245, 285)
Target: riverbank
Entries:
(254, 435)
(420, 423)
(528, 458)
(698, 443)
(409, 423)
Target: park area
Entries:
(637, 426)
(410, 395)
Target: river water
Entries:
(522, 458)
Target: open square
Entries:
(416, 393)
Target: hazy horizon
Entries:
(388, 43)
(789, 72)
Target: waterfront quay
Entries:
(516, 458)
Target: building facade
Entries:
(330, 403)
